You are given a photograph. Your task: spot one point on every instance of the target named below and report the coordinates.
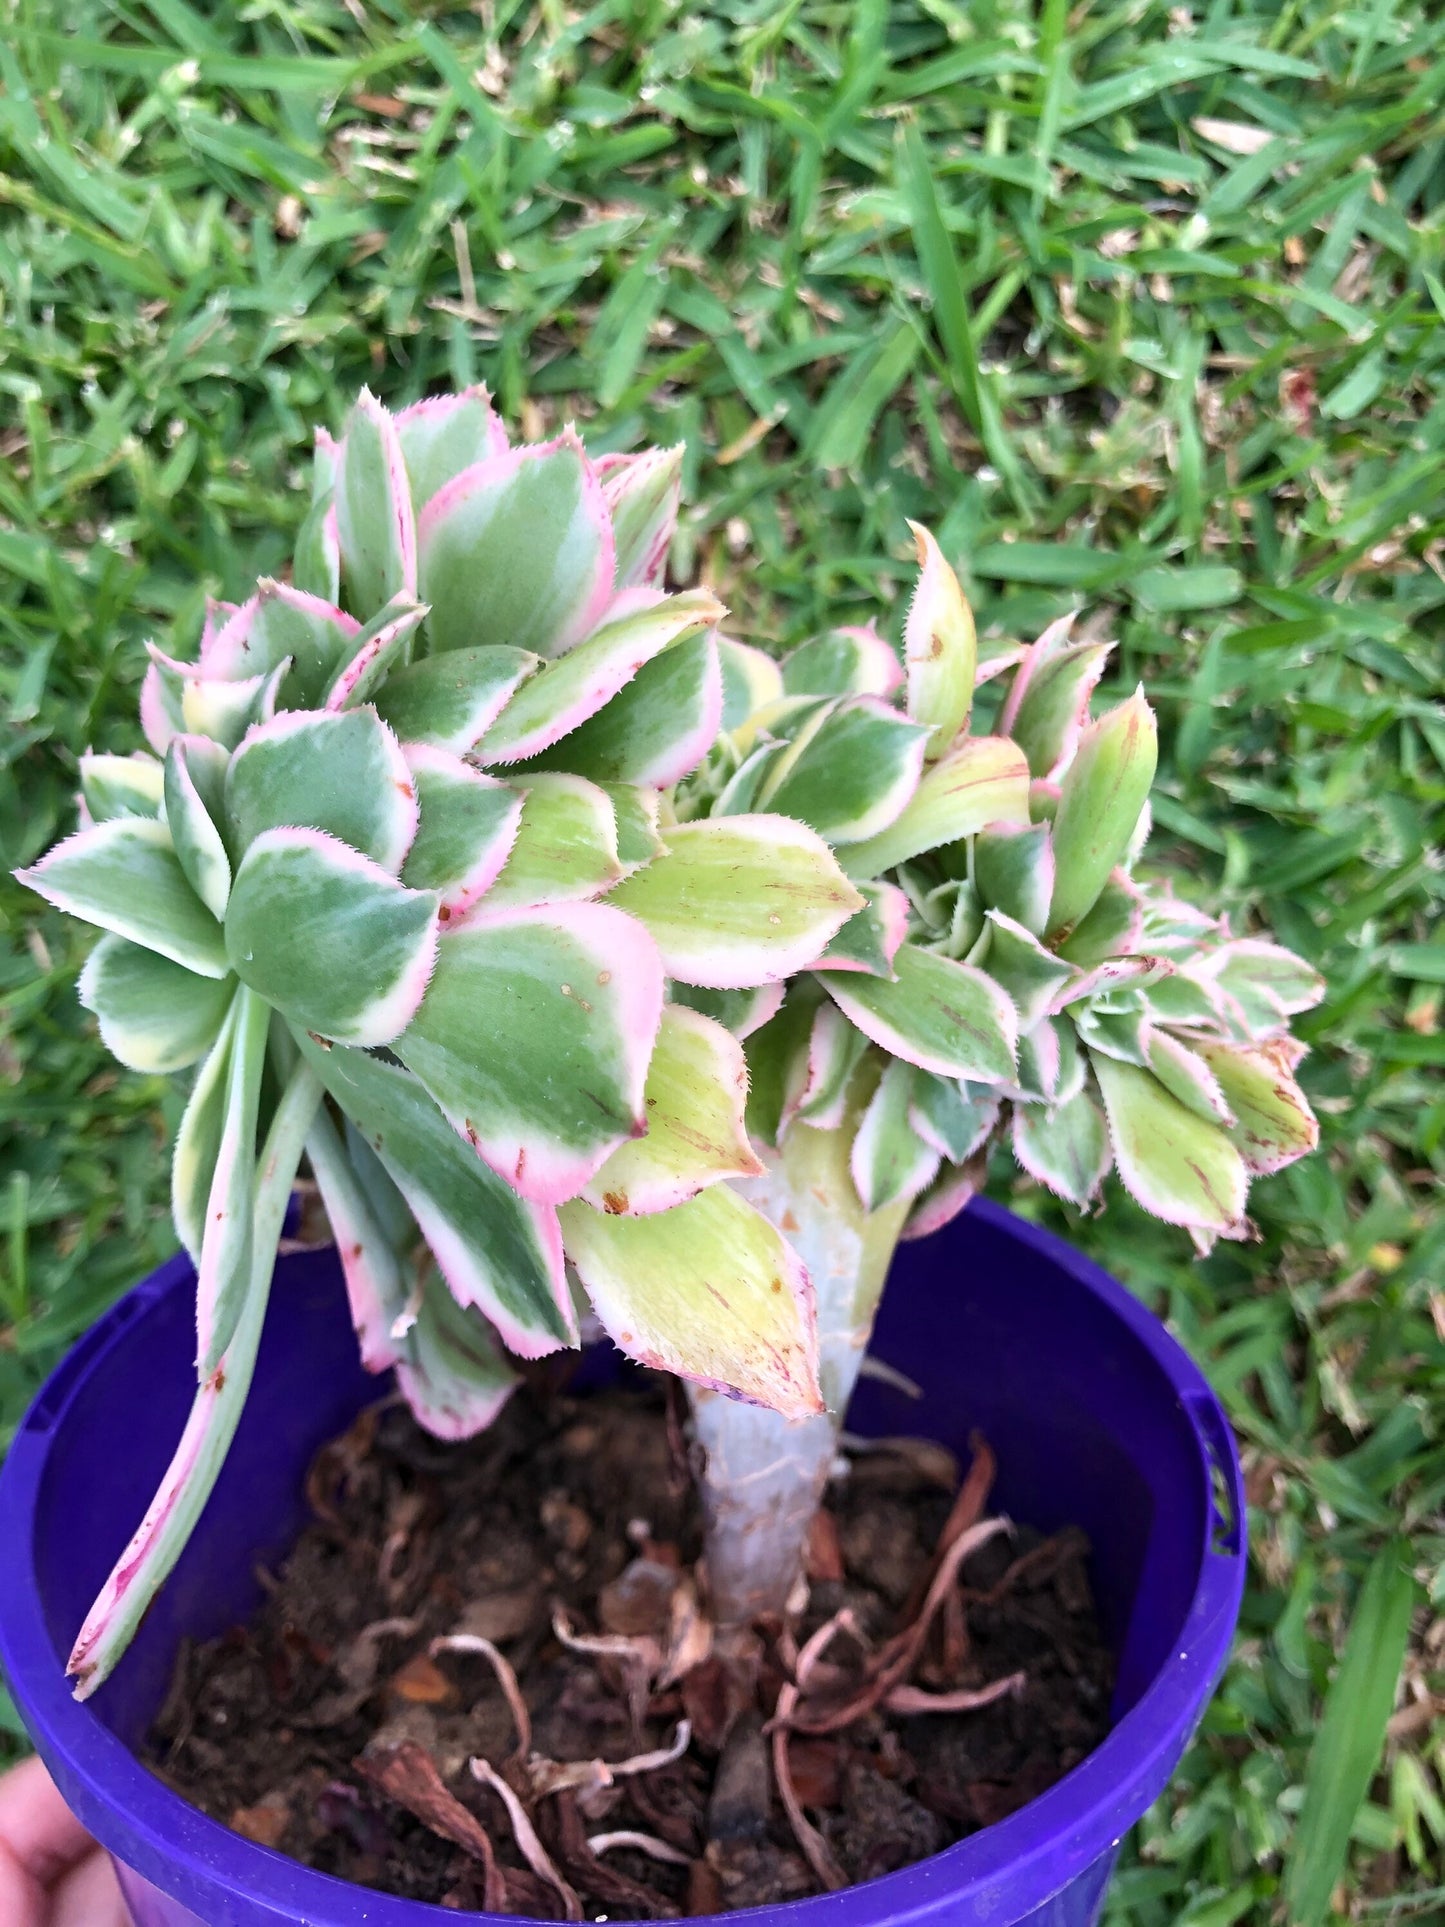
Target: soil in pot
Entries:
(947, 1670)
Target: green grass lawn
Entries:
(1141, 307)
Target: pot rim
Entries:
(1047, 1843)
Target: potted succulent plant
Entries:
(596, 966)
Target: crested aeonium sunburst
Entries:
(399, 877)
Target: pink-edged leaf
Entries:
(534, 1038)
(1041, 1061)
(224, 1269)
(376, 1287)
(1268, 983)
(565, 849)
(445, 434)
(980, 782)
(565, 694)
(1104, 978)
(518, 549)
(853, 661)
(740, 900)
(498, 1253)
(198, 1136)
(112, 786)
(740, 1011)
(1033, 977)
(751, 680)
(820, 1095)
(938, 1014)
(709, 1290)
(656, 730)
(1184, 1072)
(466, 833)
(643, 493)
(638, 815)
(889, 1159)
(195, 779)
(1177, 1165)
(1102, 796)
(453, 1377)
(953, 1116)
(196, 705)
(1065, 1147)
(375, 521)
(951, 1191)
(381, 647)
(1013, 871)
(329, 937)
(940, 649)
(1048, 702)
(1113, 928)
(153, 1015)
(125, 876)
(851, 773)
(695, 1098)
(316, 559)
(452, 701)
(1272, 1121)
(869, 940)
(160, 707)
(311, 770)
(280, 624)
(218, 614)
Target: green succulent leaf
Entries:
(819, 1096)
(198, 1139)
(751, 680)
(1048, 704)
(1272, 1121)
(709, 1290)
(941, 1015)
(953, 1116)
(1064, 1146)
(467, 831)
(329, 938)
(452, 1375)
(940, 648)
(638, 814)
(224, 1268)
(843, 662)
(341, 774)
(983, 780)
(1177, 1165)
(377, 1291)
(445, 434)
(869, 940)
(1268, 984)
(451, 701)
(1013, 871)
(1113, 928)
(378, 649)
(534, 1038)
(889, 1159)
(279, 626)
(518, 550)
(375, 521)
(740, 900)
(1032, 977)
(740, 1011)
(1102, 797)
(124, 876)
(565, 694)
(852, 774)
(497, 1252)
(195, 779)
(115, 786)
(154, 1015)
(695, 1099)
(643, 493)
(655, 730)
(1185, 1073)
(566, 844)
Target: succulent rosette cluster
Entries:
(1012, 973)
(399, 877)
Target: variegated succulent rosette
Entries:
(399, 876)
(1010, 976)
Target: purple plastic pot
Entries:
(1097, 1416)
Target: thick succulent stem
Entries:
(762, 1476)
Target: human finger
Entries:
(39, 1834)
(88, 1896)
